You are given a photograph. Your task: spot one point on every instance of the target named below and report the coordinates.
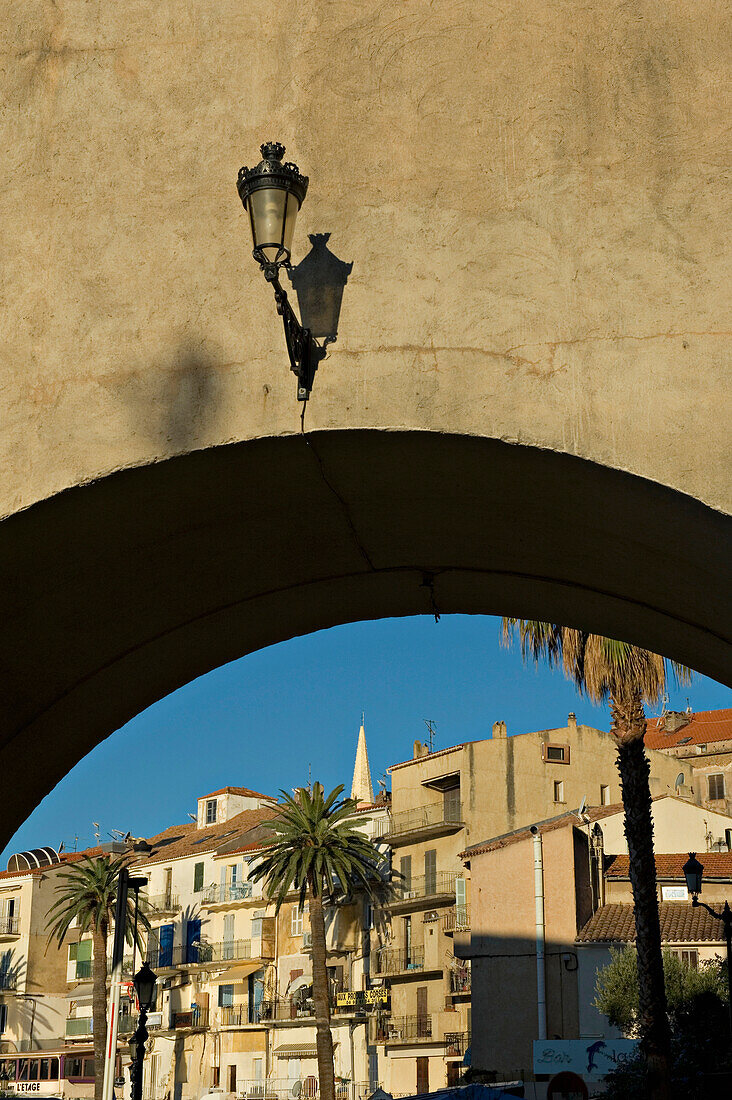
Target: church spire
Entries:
(361, 788)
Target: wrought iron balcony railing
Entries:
(163, 903)
(439, 815)
(220, 895)
(198, 954)
(9, 926)
(395, 960)
(438, 884)
(460, 979)
(456, 1042)
(194, 1017)
(408, 1028)
(457, 919)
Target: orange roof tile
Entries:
(681, 922)
(705, 727)
(715, 864)
(186, 840)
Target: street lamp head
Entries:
(272, 194)
(144, 982)
(133, 1045)
(693, 871)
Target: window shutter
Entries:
(197, 878)
(84, 951)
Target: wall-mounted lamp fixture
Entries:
(272, 194)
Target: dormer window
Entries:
(211, 811)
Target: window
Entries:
(604, 795)
(296, 927)
(558, 791)
(215, 1076)
(226, 996)
(211, 811)
(3, 1017)
(555, 754)
(407, 941)
(423, 1075)
(197, 878)
(716, 786)
(690, 958)
(451, 802)
(232, 1079)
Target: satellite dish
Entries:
(680, 778)
(296, 1089)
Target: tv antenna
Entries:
(429, 723)
(97, 827)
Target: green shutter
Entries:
(197, 878)
(84, 951)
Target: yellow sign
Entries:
(363, 997)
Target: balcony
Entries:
(395, 960)
(457, 920)
(435, 889)
(199, 954)
(193, 1018)
(228, 894)
(460, 980)
(456, 1043)
(307, 1088)
(9, 927)
(235, 1016)
(8, 980)
(408, 1029)
(160, 905)
(421, 823)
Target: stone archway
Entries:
(118, 592)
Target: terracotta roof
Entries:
(239, 790)
(429, 756)
(704, 727)
(715, 864)
(188, 840)
(681, 922)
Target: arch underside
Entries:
(118, 592)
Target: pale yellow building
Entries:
(442, 802)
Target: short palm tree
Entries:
(602, 669)
(87, 893)
(318, 853)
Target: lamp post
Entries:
(144, 982)
(272, 194)
(693, 872)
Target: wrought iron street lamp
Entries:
(272, 194)
(693, 872)
(144, 982)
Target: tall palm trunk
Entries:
(321, 997)
(99, 1006)
(628, 728)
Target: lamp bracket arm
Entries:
(301, 347)
(703, 905)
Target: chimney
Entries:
(674, 720)
(419, 750)
(499, 731)
(572, 722)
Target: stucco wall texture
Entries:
(534, 198)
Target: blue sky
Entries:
(262, 721)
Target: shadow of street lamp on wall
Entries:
(319, 280)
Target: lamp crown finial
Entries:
(272, 150)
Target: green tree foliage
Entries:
(318, 854)
(616, 987)
(87, 894)
(602, 669)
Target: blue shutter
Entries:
(193, 936)
(165, 953)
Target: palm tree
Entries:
(317, 852)
(603, 668)
(87, 893)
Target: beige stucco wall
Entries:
(505, 783)
(532, 199)
(678, 826)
